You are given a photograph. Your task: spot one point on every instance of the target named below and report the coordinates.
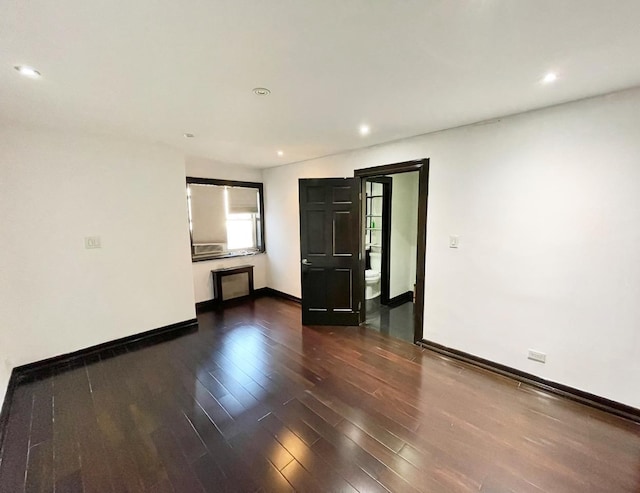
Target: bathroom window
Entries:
(226, 218)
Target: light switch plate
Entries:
(537, 356)
(454, 241)
(92, 242)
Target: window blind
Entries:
(208, 213)
(242, 200)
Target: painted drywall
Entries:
(547, 208)
(5, 373)
(201, 271)
(404, 232)
(55, 295)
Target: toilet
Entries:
(372, 277)
(372, 284)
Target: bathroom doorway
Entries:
(377, 236)
(393, 246)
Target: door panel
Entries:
(341, 292)
(329, 249)
(342, 226)
(315, 195)
(341, 195)
(315, 233)
(317, 298)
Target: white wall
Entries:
(547, 207)
(56, 296)
(404, 232)
(202, 282)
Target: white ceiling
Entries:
(155, 69)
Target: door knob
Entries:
(305, 262)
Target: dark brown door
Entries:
(329, 250)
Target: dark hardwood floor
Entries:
(252, 401)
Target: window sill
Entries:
(226, 255)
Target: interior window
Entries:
(225, 218)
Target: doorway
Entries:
(377, 237)
(393, 246)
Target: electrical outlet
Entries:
(454, 241)
(92, 242)
(537, 356)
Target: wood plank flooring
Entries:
(254, 402)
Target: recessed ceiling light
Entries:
(27, 71)
(261, 91)
(188, 136)
(364, 130)
(280, 153)
(549, 78)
